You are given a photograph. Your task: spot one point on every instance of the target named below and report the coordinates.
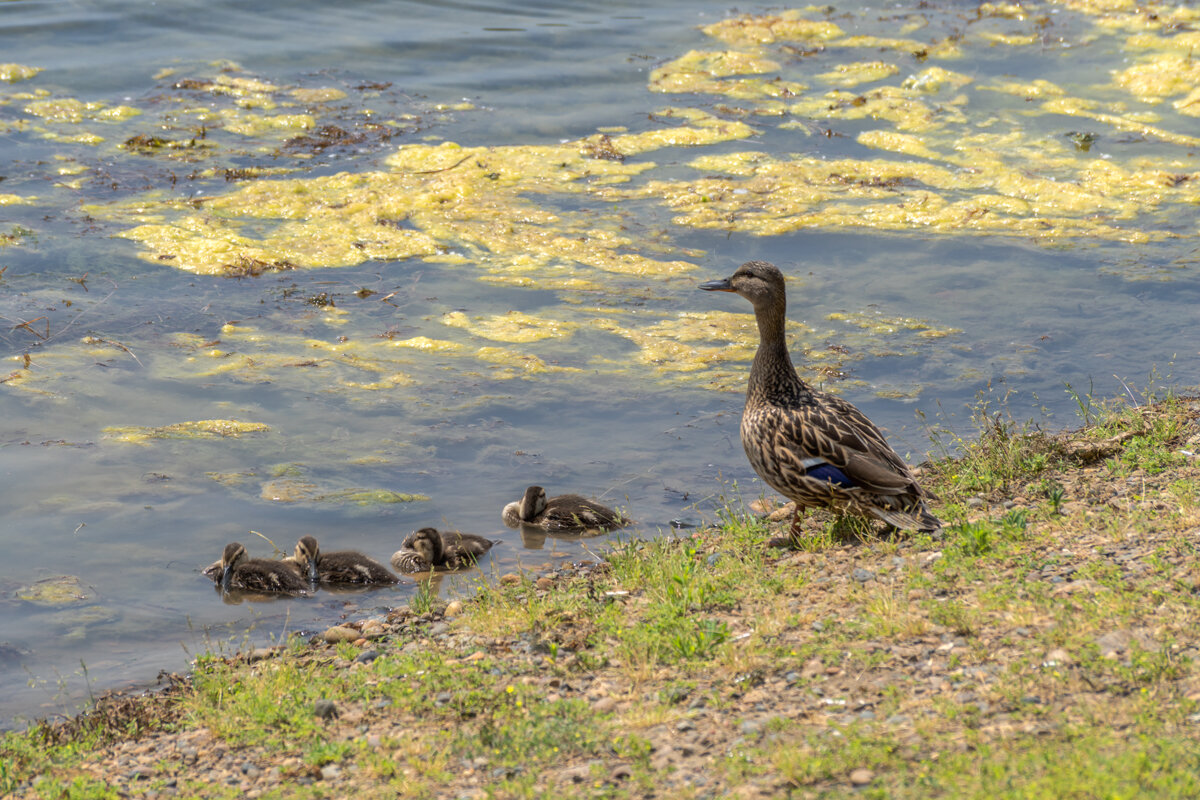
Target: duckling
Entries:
(408, 561)
(342, 566)
(445, 549)
(812, 447)
(238, 571)
(564, 512)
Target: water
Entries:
(136, 522)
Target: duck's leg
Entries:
(795, 534)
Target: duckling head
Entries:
(307, 556)
(428, 544)
(758, 281)
(532, 503)
(233, 555)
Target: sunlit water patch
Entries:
(258, 291)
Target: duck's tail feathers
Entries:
(915, 517)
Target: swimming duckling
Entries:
(238, 571)
(342, 566)
(812, 447)
(564, 512)
(448, 550)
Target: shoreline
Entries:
(1048, 631)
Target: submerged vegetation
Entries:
(1041, 645)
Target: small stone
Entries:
(605, 704)
(510, 579)
(340, 633)
(367, 656)
(1056, 657)
(453, 609)
(330, 771)
(543, 583)
(862, 575)
(862, 776)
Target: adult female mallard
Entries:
(810, 446)
(430, 548)
(341, 566)
(239, 571)
(561, 513)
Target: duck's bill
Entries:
(722, 285)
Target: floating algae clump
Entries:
(197, 429)
(513, 326)
(434, 199)
(11, 73)
(61, 590)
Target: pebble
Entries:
(340, 633)
(543, 583)
(605, 704)
(862, 575)
(510, 579)
(330, 771)
(453, 609)
(367, 656)
(862, 776)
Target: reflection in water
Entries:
(533, 537)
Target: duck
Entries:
(815, 448)
(340, 566)
(564, 512)
(236, 570)
(429, 548)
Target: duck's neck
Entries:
(773, 378)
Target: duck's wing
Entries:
(466, 542)
(835, 433)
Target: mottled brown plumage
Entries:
(561, 513)
(238, 571)
(430, 548)
(341, 566)
(810, 446)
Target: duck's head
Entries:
(428, 544)
(233, 555)
(307, 556)
(532, 503)
(758, 281)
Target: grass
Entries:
(1041, 645)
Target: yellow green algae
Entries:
(11, 73)
(192, 429)
(434, 198)
(857, 124)
(60, 590)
